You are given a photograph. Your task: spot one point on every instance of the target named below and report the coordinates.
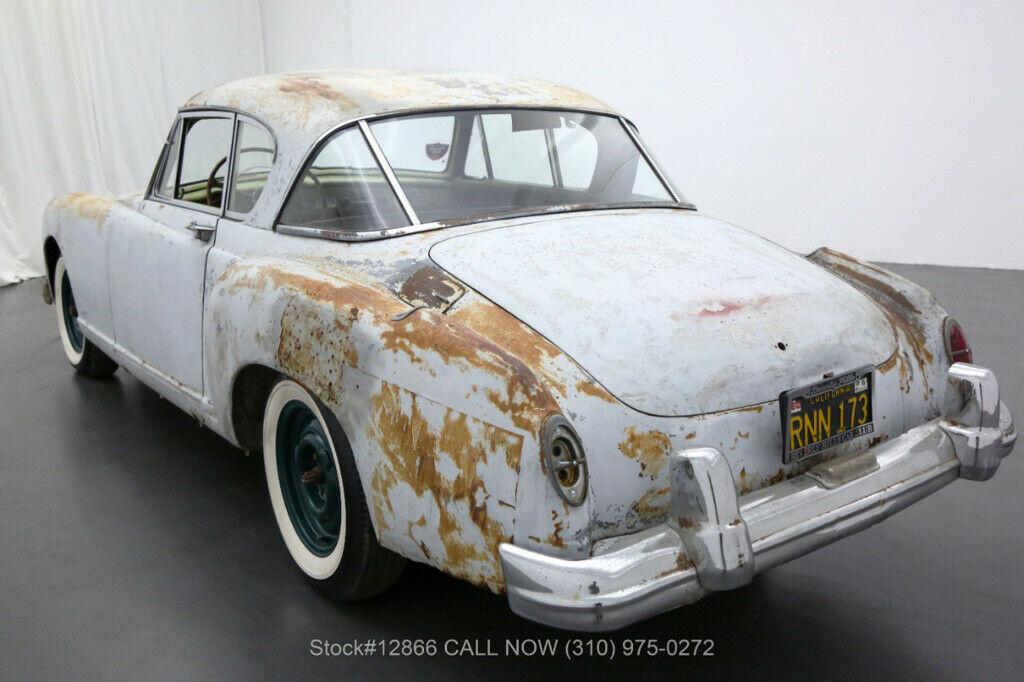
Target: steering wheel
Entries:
(254, 193)
(326, 202)
(212, 181)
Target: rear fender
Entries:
(917, 319)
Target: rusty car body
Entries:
(454, 352)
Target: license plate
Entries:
(825, 414)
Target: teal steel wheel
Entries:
(308, 477)
(70, 312)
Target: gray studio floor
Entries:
(135, 544)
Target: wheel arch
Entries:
(51, 253)
(249, 392)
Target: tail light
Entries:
(957, 349)
(565, 460)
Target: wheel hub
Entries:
(308, 478)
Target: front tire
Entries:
(318, 499)
(84, 356)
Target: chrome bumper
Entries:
(715, 540)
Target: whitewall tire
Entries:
(83, 355)
(317, 497)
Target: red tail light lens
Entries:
(957, 348)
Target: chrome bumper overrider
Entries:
(715, 540)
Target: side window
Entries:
(416, 144)
(254, 157)
(343, 189)
(198, 175)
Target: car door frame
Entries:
(174, 222)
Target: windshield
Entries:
(463, 165)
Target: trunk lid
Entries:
(672, 312)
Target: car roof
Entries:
(314, 102)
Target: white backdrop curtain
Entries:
(88, 89)
(890, 130)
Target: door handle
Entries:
(200, 231)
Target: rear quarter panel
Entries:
(443, 410)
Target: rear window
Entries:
(459, 165)
(421, 144)
(343, 188)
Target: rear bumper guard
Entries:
(715, 540)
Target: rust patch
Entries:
(883, 288)
(917, 341)
(596, 390)
(422, 521)
(555, 537)
(311, 87)
(411, 450)
(315, 350)
(888, 365)
(850, 259)
(480, 336)
(649, 448)
(336, 289)
(683, 563)
(691, 435)
(87, 206)
(507, 331)
(753, 409)
(903, 315)
(653, 504)
(748, 483)
(526, 399)
(430, 287)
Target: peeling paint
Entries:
(87, 206)
(595, 390)
(430, 287)
(649, 448)
(419, 455)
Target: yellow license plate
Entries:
(825, 414)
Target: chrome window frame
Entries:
(205, 112)
(416, 226)
(242, 117)
(333, 233)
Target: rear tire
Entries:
(84, 356)
(318, 499)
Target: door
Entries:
(157, 264)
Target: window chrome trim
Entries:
(205, 112)
(368, 236)
(373, 235)
(635, 136)
(389, 172)
(229, 186)
(161, 160)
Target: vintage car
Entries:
(468, 321)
